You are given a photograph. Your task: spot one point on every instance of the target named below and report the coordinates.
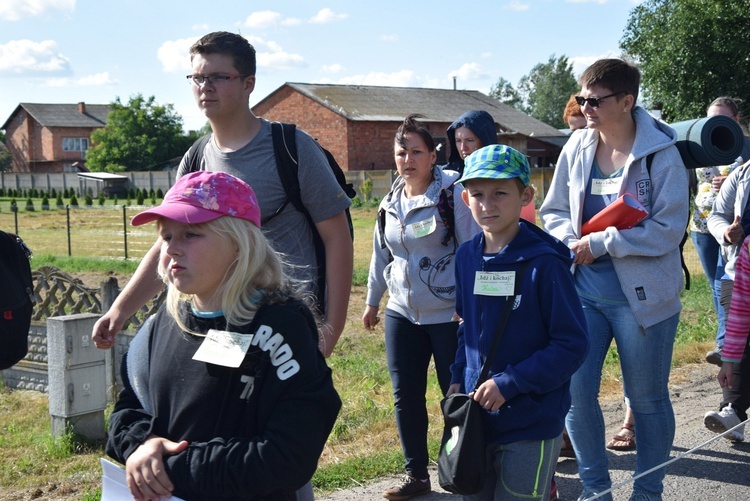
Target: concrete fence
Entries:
(381, 181)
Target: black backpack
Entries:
(16, 299)
(285, 149)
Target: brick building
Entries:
(52, 137)
(357, 123)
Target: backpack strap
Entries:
(685, 270)
(287, 165)
(195, 153)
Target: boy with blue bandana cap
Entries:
(526, 396)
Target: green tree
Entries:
(138, 136)
(690, 52)
(504, 92)
(547, 88)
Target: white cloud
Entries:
(13, 10)
(580, 63)
(470, 71)
(389, 38)
(97, 80)
(26, 57)
(326, 15)
(271, 57)
(333, 68)
(517, 6)
(486, 55)
(291, 21)
(263, 19)
(174, 55)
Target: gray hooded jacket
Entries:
(646, 257)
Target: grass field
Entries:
(364, 443)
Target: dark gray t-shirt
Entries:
(288, 231)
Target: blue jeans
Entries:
(709, 252)
(645, 359)
(409, 348)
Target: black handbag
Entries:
(462, 461)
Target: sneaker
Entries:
(408, 488)
(726, 418)
(714, 356)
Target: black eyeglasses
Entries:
(212, 79)
(595, 101)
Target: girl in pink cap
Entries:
(216, 381)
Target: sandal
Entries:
(623, 442)
(566, 451)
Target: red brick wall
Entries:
(357, 145)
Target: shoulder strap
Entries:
(285, 149)
(685, 270)
(195, 153)
(507, 309)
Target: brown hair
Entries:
(613, 74)
(732, 103)
(222, 42)
(410, 125)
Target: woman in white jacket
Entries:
(414, 249)
(629, 280)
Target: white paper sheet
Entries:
(114, 487)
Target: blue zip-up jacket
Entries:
(544, 343)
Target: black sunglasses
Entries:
(595, 101)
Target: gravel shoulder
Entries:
(719, 470)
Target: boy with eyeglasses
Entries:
(222, 79)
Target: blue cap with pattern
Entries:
(496, 161)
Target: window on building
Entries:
(75, 143)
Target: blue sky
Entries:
(66, 51)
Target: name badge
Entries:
(423, 228)
(223, 348)
(494, 283)
(609, 186)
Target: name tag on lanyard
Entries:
(223, 348)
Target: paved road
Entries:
(718, 471)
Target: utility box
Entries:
(77, 377)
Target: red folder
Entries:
(623, 213)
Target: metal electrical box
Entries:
(77, 376)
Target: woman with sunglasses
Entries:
(629, 280)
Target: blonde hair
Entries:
(258, 272)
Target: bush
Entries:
(59, 201)
(45, 203)
(88, 201)
(139, 198)
(73, 201)
(29, 205)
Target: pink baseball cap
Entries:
(203, 196)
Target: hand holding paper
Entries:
(623, 213)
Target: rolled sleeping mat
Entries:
(704, 142)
